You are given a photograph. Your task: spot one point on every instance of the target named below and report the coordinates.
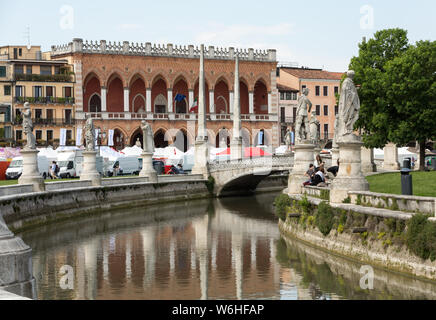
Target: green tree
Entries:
(410, 82)
(377, 116)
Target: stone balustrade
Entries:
(122, 181)
(15, 189)
(394, 202)
(168, 50)
(62, 185)
(284, 161)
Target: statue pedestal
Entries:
(390, 161)
(303, 157)
(236, 149)
(201, 158)
(335, 156)
(16, 271)
(89, 170)
(30, 173)
(147, 167)
(368, 164)
(350, 177)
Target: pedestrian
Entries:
(319, 178)
(334, 170)
(52, 170)
(180, 168)
(319, 161)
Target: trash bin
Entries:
(407, 163)
(406, 182)
(158, 166)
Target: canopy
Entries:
(9, 153)
(108, 152)
(168, 152)
(249, 152)
(281, 150)
(132, 151)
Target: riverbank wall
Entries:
(372, 235)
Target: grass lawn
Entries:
(12, 182)
(424, 183)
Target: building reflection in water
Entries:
(220, 249)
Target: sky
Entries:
(316, 34)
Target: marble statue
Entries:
(314, 125)
(335, 137)
(138, 143)
(147, 137)
(28, 127)
(288, 139)
(89, 135)
(349, 106)
(302, 121)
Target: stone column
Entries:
(251, 102)
(16, 270)
(30, 173)
(269, 103)
(148, 99)
(201, 150)
(147, 167)
(368, 164)
(391, 157)
(89, 171)
(103, 99)
(126, 99)
(211, 101)
(231, 102)
(191, 99)
(236, 150)
(303, 157)
(170, 100)
(350, 177)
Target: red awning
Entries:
(249, 152)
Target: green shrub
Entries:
(325, 195)
(340, 228)
(324, 218)
(421, 237)
(281, 204)
(347, 200)
(305, 205)
(210, 184)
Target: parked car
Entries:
(15, 168)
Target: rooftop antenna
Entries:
(27, 35)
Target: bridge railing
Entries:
(282, 162)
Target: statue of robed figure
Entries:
(28, 127)
(89, 135)
(147, 137)
(349, 107)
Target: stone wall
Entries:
(15, 189)
(29, 210)
(62, 185)
(373, 236)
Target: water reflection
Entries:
(206, 249)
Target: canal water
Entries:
(205, 249)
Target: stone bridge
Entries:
(240, 177)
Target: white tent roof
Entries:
(48, 152)
(281, 150)
(132, 151)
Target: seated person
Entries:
(334, 169)
(180, 168)
(173, 170)
(309, 173)
(319, 178)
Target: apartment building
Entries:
(28, 75)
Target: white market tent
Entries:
(132, 151)
(281, 150)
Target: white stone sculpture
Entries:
(349, 107)
(147, 137)
(28, 127)
(288, 140)
(314, 125)
(89, 135)
(302, 121)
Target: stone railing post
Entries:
(191, 51)
(148, 48)
(272, 55)
(126, 47)
(250, 54)
(77, 45)
(103, 46)
(170, 49)
(231, 53)
(211, 52)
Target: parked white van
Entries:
(15, 168)
(127, 165)
(70, 163)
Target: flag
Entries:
(63, 137)
(194, 107)
(111, 138)
(179, 97)
(79, 137)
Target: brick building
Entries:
(120, 84)
(323, 87)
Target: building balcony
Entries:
(44, 77)
(287, 120)
(45, 100)
(47, 122)
(172, 116)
